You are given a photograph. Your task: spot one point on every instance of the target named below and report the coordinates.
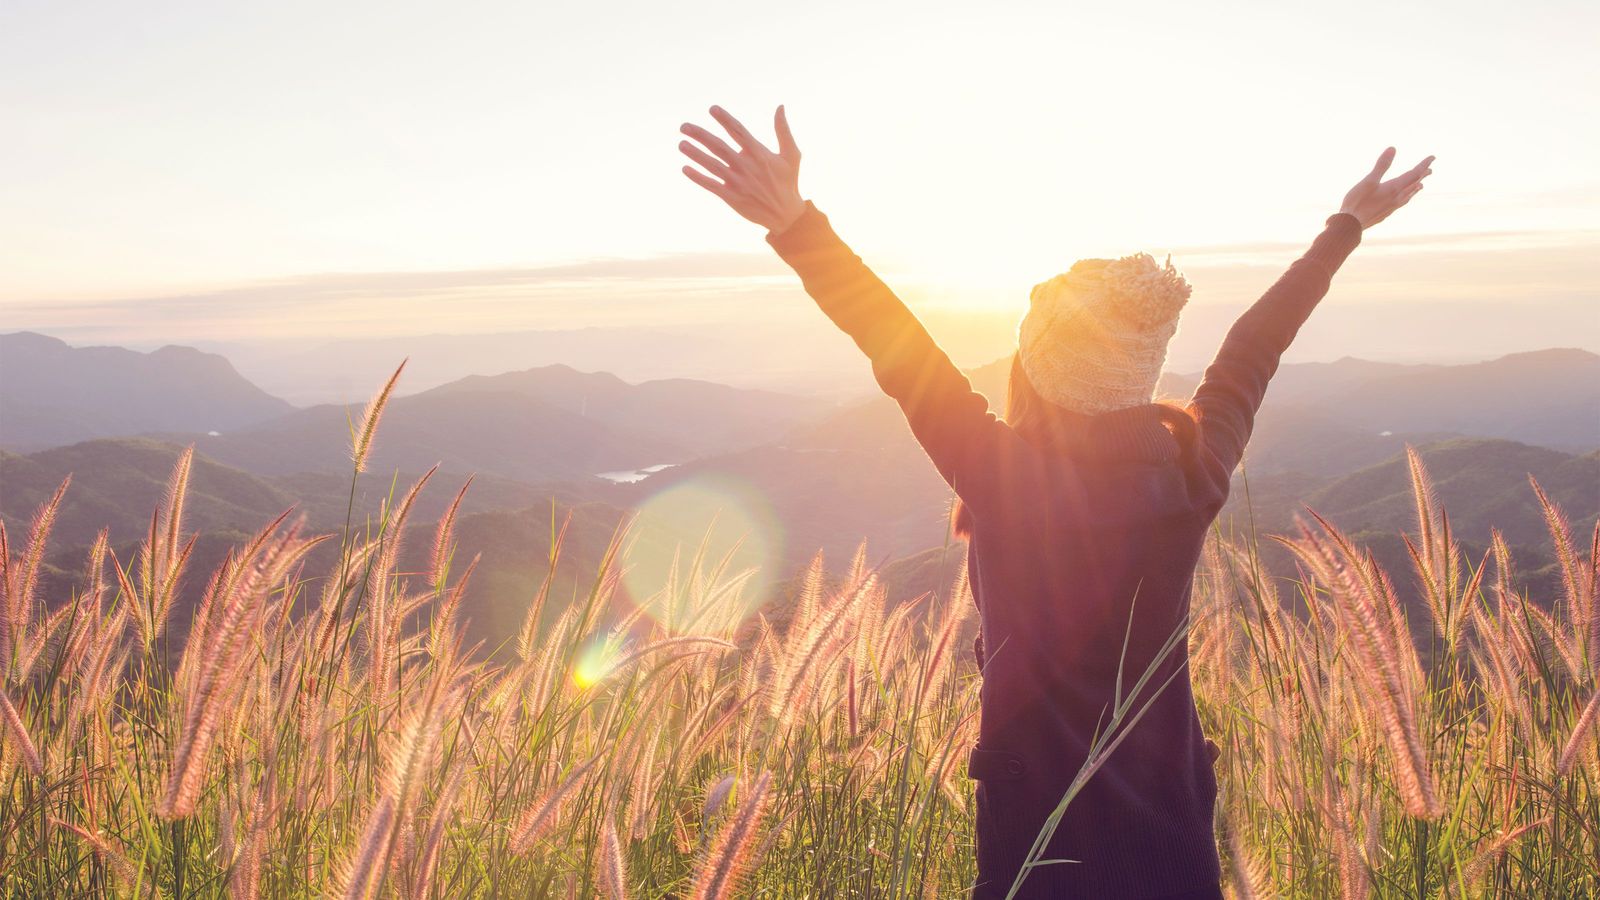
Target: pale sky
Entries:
(220, 171)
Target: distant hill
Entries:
(489, 432)
(550, 424)
(116, 484)
(1547, 397)
(700, 416)
(1482, 484)
(53, 394)
(1332, 418)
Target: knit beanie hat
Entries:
(1094, 337)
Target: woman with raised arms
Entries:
(1085, 509)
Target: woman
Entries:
(1085, 497)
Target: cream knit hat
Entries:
(1095, 336)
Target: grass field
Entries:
(326, 733)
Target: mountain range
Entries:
(825, 474)
(52, 394)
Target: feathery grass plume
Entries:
(809, 602)
(384, 613)
(682, 645)
(949, 756)
(809, 645)
(20, 583)
(361, 435)
(177, 491)
(444, 538)
(612, 869)
(725, 865)
(442, 630)
(528, 638)
(539, 817)
(1581, 582)
(1592, 575)
(214, 678)
(8, 589)
(1247, 872)
(426, 862)
(642, 785)
(1390, 689)
(108, 855)
(1483, 859)
(1354, 881)
(363, 872)
(716, 795)
(1582, 735)
(414, 752)
(939, 649)
(18, 732)
(1436, 555)
(244, 851)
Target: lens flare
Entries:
(701, 524)
(595, 662)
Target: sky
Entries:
(299, 172)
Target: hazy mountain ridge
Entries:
(1332, 418)
(700, 416)
(549, 424)
(116, 484)
(52, 394)
(831, 475)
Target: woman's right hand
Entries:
(759, 184)
(1372, 199)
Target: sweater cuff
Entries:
(1341, 236)
(807, 232)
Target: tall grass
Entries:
(325, 732)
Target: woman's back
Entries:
(1086, 576)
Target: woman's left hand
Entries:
(1373, 199)
(759, 184)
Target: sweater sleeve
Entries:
(1236, 381)
(949, 419)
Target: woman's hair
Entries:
(1038, 421)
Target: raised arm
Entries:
(949, 418)
(1236, 381)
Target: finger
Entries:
(787, 148)
(709, 183)
(707, 161)
(713, 143)
(1384, 160)
(1411, 177)
(1416, 171)
(741, 134)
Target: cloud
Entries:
(700, 289)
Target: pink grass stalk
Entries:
(20, 584)
(364, 870)
(1483, 859)
(726, 864)
(361, 438)
(107, 854)
(215, 677)
(1582, 735)
(18, 733)
(612, 871)
(541, 816)
(1579, 581)
(444, 539)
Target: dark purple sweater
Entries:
(1062, 538)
